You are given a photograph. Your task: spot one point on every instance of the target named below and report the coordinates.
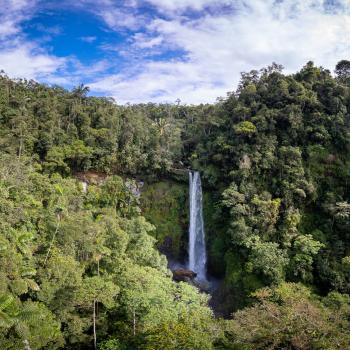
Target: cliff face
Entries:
(165, 204)
(91, 177)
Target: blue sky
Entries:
(164, 50)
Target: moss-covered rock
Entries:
(165, 205)
(215, 229)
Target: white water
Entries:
(85, 186)
(197, 249)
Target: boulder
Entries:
(184, 275)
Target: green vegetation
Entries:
(75, 262)
(81, 269)
(165, 205)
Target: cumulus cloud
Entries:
(159, 82)
(119, 18)
(145, 42)
(116, 15)
(192, 50)
(218, 46)
(20, 58)
(12, 13)
(22, 61)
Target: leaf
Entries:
(32, 284)
(6, 301)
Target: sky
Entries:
(164, 50)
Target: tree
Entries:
(245, 128)
(305, 247)
(288, 317)
(342, 71)
(267, 258)
(27, 325)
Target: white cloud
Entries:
(219, 46)
(119, 18)
(81, 70)
(180, 5)
(159, 82)
(19, 57)
(88, 39)
(143, 41)
(12, 12)
(170, 54)
(22, 61)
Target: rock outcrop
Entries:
(184, 275)
(91, 177)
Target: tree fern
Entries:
(7, 312)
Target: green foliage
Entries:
(305, 248)
(187, 333)
(274, 159)
(69, 258)
(268, 259)
(111, 344)
(342, 70)
(164, 204)
(290, 317)
(245, 128)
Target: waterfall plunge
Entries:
(197, 250)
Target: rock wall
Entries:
(165, 205)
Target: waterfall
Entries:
(197, 250)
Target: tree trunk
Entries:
(98, 274)
(52, 240)
(134, 322)
(20, 144)
(94, 324)
(26, 345)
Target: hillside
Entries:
(85, 269)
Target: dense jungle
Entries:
(86, 267)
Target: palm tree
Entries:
(80, 91)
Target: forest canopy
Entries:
(80, 269)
